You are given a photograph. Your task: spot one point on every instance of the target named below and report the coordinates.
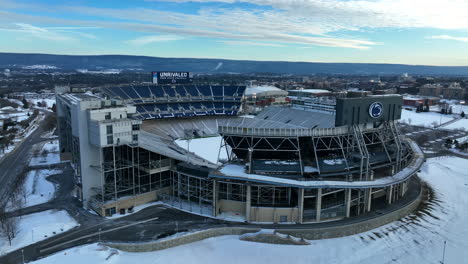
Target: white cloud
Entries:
(48, 33)
(152, 39)
(462, 39)
(307, 22)
(37, 32)
(333, 15)
(250, 43)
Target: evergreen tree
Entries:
(25, 103)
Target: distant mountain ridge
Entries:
(145, 63)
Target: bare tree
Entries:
(8, 225)
(2, 216)
(10, 228)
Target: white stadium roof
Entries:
(264, 90)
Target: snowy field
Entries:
(36, 227)
(411, 240)
(461, 124)
(427, 119)
(38, 189)
(206, 148)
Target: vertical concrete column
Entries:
(348, 202)
(250, 159)
(389, 194)
(215, 198)
(248, 198)
(318, 205)
(369, 199)
(300, 205)
(178, 189)
(402, 189)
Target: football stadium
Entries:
(189, 146)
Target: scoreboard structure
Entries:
(353, 111)
(171, 77)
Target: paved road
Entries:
(15, 162)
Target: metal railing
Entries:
(283, 132)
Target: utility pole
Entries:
(22, 254)
(99, 234)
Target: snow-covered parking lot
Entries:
(414, 239)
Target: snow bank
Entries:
(135, 210)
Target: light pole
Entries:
(22, 254)
(99, 234)
(443, 254)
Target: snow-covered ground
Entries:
(411, 240)
(135, 210)
(427, 119)
(51, 146)
(461, 124)
(206, 148)
(37, 188)
(457, 108)
(36, 227)
(49, 154)
(49, 102)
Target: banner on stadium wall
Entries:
(170, 77)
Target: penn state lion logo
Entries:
(376, 110)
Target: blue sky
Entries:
(430, 32)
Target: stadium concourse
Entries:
(288, 164)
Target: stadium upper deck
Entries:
(165, 101)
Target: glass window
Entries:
(135, 127)
(108, 116)
(135, 137)
(109, 129)
(110, 140)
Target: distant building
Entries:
(258, 97)
(431, 90)
(453, 91)
(316, 100)
(420, 100)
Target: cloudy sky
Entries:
(432, 32)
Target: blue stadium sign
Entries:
(376, 110)
(172, 77)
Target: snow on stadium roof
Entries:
(287, 117)
(313, 91)
(234, 171)
(264, 89)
